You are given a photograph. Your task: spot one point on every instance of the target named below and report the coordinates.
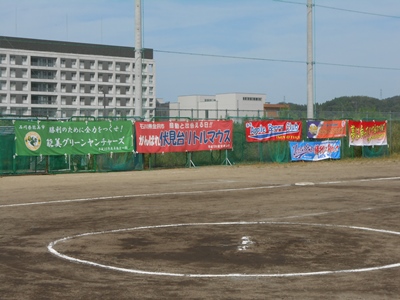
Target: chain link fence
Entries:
(242, 152)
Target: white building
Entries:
(220, 106)
(64, 79)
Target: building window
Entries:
(252, 99)
(43, 61)
(43, 87)
(3, 98)
(42, 74)
(41, 99)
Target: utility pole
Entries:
(138, 59)
(310, 62)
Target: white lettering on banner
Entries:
(187, 125)
(59, 143)
(152, 140)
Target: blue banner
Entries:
(314, 151)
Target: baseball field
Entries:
(320, 230)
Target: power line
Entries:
(295, 61)
(358, 12)
(229, 56)
(291, 2)
(277, 60)
(342, 9)
(358, 66)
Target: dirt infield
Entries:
(324, 230)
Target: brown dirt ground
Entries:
(282, 223)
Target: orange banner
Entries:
(326, 129)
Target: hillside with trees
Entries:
(354, 103)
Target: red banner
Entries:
(273, 130)
(367, 133)
(183, 136)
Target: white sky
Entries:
(267, 32)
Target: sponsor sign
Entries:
(273, 130)
(367, 133)
(314, 151)
(326, 129)
(183, 136)
(60, 138)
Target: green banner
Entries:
(59, 138)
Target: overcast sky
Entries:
(356, 42)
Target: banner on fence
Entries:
(273, 130)
(60, 138)
(326, 129)
(314, 151)
(367, 133)
(183, 136)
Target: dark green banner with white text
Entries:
(60, 138)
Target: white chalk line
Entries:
(51, 249)
(332, 212)
(186, 192)
(144, 195)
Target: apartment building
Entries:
(63, 79)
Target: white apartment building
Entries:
(64, 79)
(220, 106)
